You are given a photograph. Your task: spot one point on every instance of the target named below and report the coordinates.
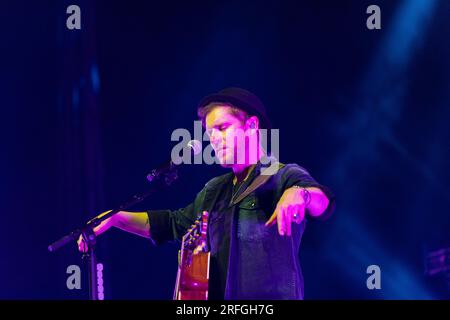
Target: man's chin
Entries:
(224, 162)
(226, 165)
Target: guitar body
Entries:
(193, 263)
(194, 278)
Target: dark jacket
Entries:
(261, 264)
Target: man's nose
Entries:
(215, 138)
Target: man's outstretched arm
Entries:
(132, 222)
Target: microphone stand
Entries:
(161, 177)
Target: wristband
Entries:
(305, 194)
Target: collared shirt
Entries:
(248, 259)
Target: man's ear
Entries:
(252, 122)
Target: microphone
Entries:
(195, 148)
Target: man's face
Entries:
(225, 133)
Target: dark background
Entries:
(87, 113)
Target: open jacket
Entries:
(261, 263)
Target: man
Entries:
(250, 258)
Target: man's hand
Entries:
(102, 227)
(290, 208)
(133, 222)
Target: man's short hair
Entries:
(235, 111)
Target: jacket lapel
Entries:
(256, 183)
(259, 181)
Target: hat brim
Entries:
(263, 119)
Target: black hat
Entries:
(241, 99)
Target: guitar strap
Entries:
(259, 181)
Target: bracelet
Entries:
(305, 194)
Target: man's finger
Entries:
(295, 214)
(300, 214)
(272, 219)
(288, 219)
(281, 221)
(81, 246)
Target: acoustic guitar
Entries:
(193, 263)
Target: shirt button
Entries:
(252, 205)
